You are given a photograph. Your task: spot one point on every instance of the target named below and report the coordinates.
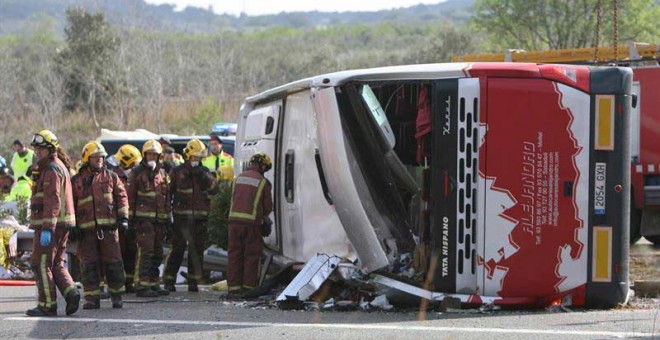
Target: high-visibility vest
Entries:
(21, 164)
(23, 188)
(221, 164)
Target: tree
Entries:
(558, 24)
(90, 61)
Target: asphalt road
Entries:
(204, 316)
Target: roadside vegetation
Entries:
(94, 74)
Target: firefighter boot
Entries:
(159, 290)
(129, 287)
(92, 303)
(104, 292)
(145, 292)
(72, 299)
(38, 311)
(116, 301)
(170, 287)
(192, 286)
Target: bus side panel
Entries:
(536, 187)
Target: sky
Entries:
(259, 7)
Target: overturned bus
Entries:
(506, 183)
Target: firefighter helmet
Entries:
(226, 172)
(92, 149)
(46, 139)
(195, 147)
(262, 159)
(128, 156)
(152, 145)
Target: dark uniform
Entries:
(127, 240)
(190, 189)
(251, 202)
(149, 201)
(101, 205)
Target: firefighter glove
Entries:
(266, 227)
(45, 238)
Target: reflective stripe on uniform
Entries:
(147, 194)
(100, 221)
(248, 181)
(138, 260)
(96, 292)
(107, 196)
(85, 200)
(40, 194)
(234, 288)
(123, 211)
(116, 291)
(145, 214)
(68, 289)
(191, 212)
(185, 191)
(255, 204)
(44, 280)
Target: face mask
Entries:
(194, 163)
(151, 164)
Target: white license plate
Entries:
(599, 189)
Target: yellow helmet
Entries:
(46, 139)
(152, 145)
(79, 165)
(262, 159)
(195, 147)
(128, 156)
(92, 149)
(226, 172)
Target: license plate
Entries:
(599, 189)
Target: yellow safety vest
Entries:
(222, 165)
(21, 164)
(22, 188)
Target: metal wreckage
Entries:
(492, 184)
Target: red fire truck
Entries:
(645, 120)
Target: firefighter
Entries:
(149, 201)
(51, 218)
(191, 186)
(101, 208)
(220, 162)
(128, 156)
(169, 159)
(251, 203)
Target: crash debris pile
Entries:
(12, 265)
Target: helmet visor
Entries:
(38, 139)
